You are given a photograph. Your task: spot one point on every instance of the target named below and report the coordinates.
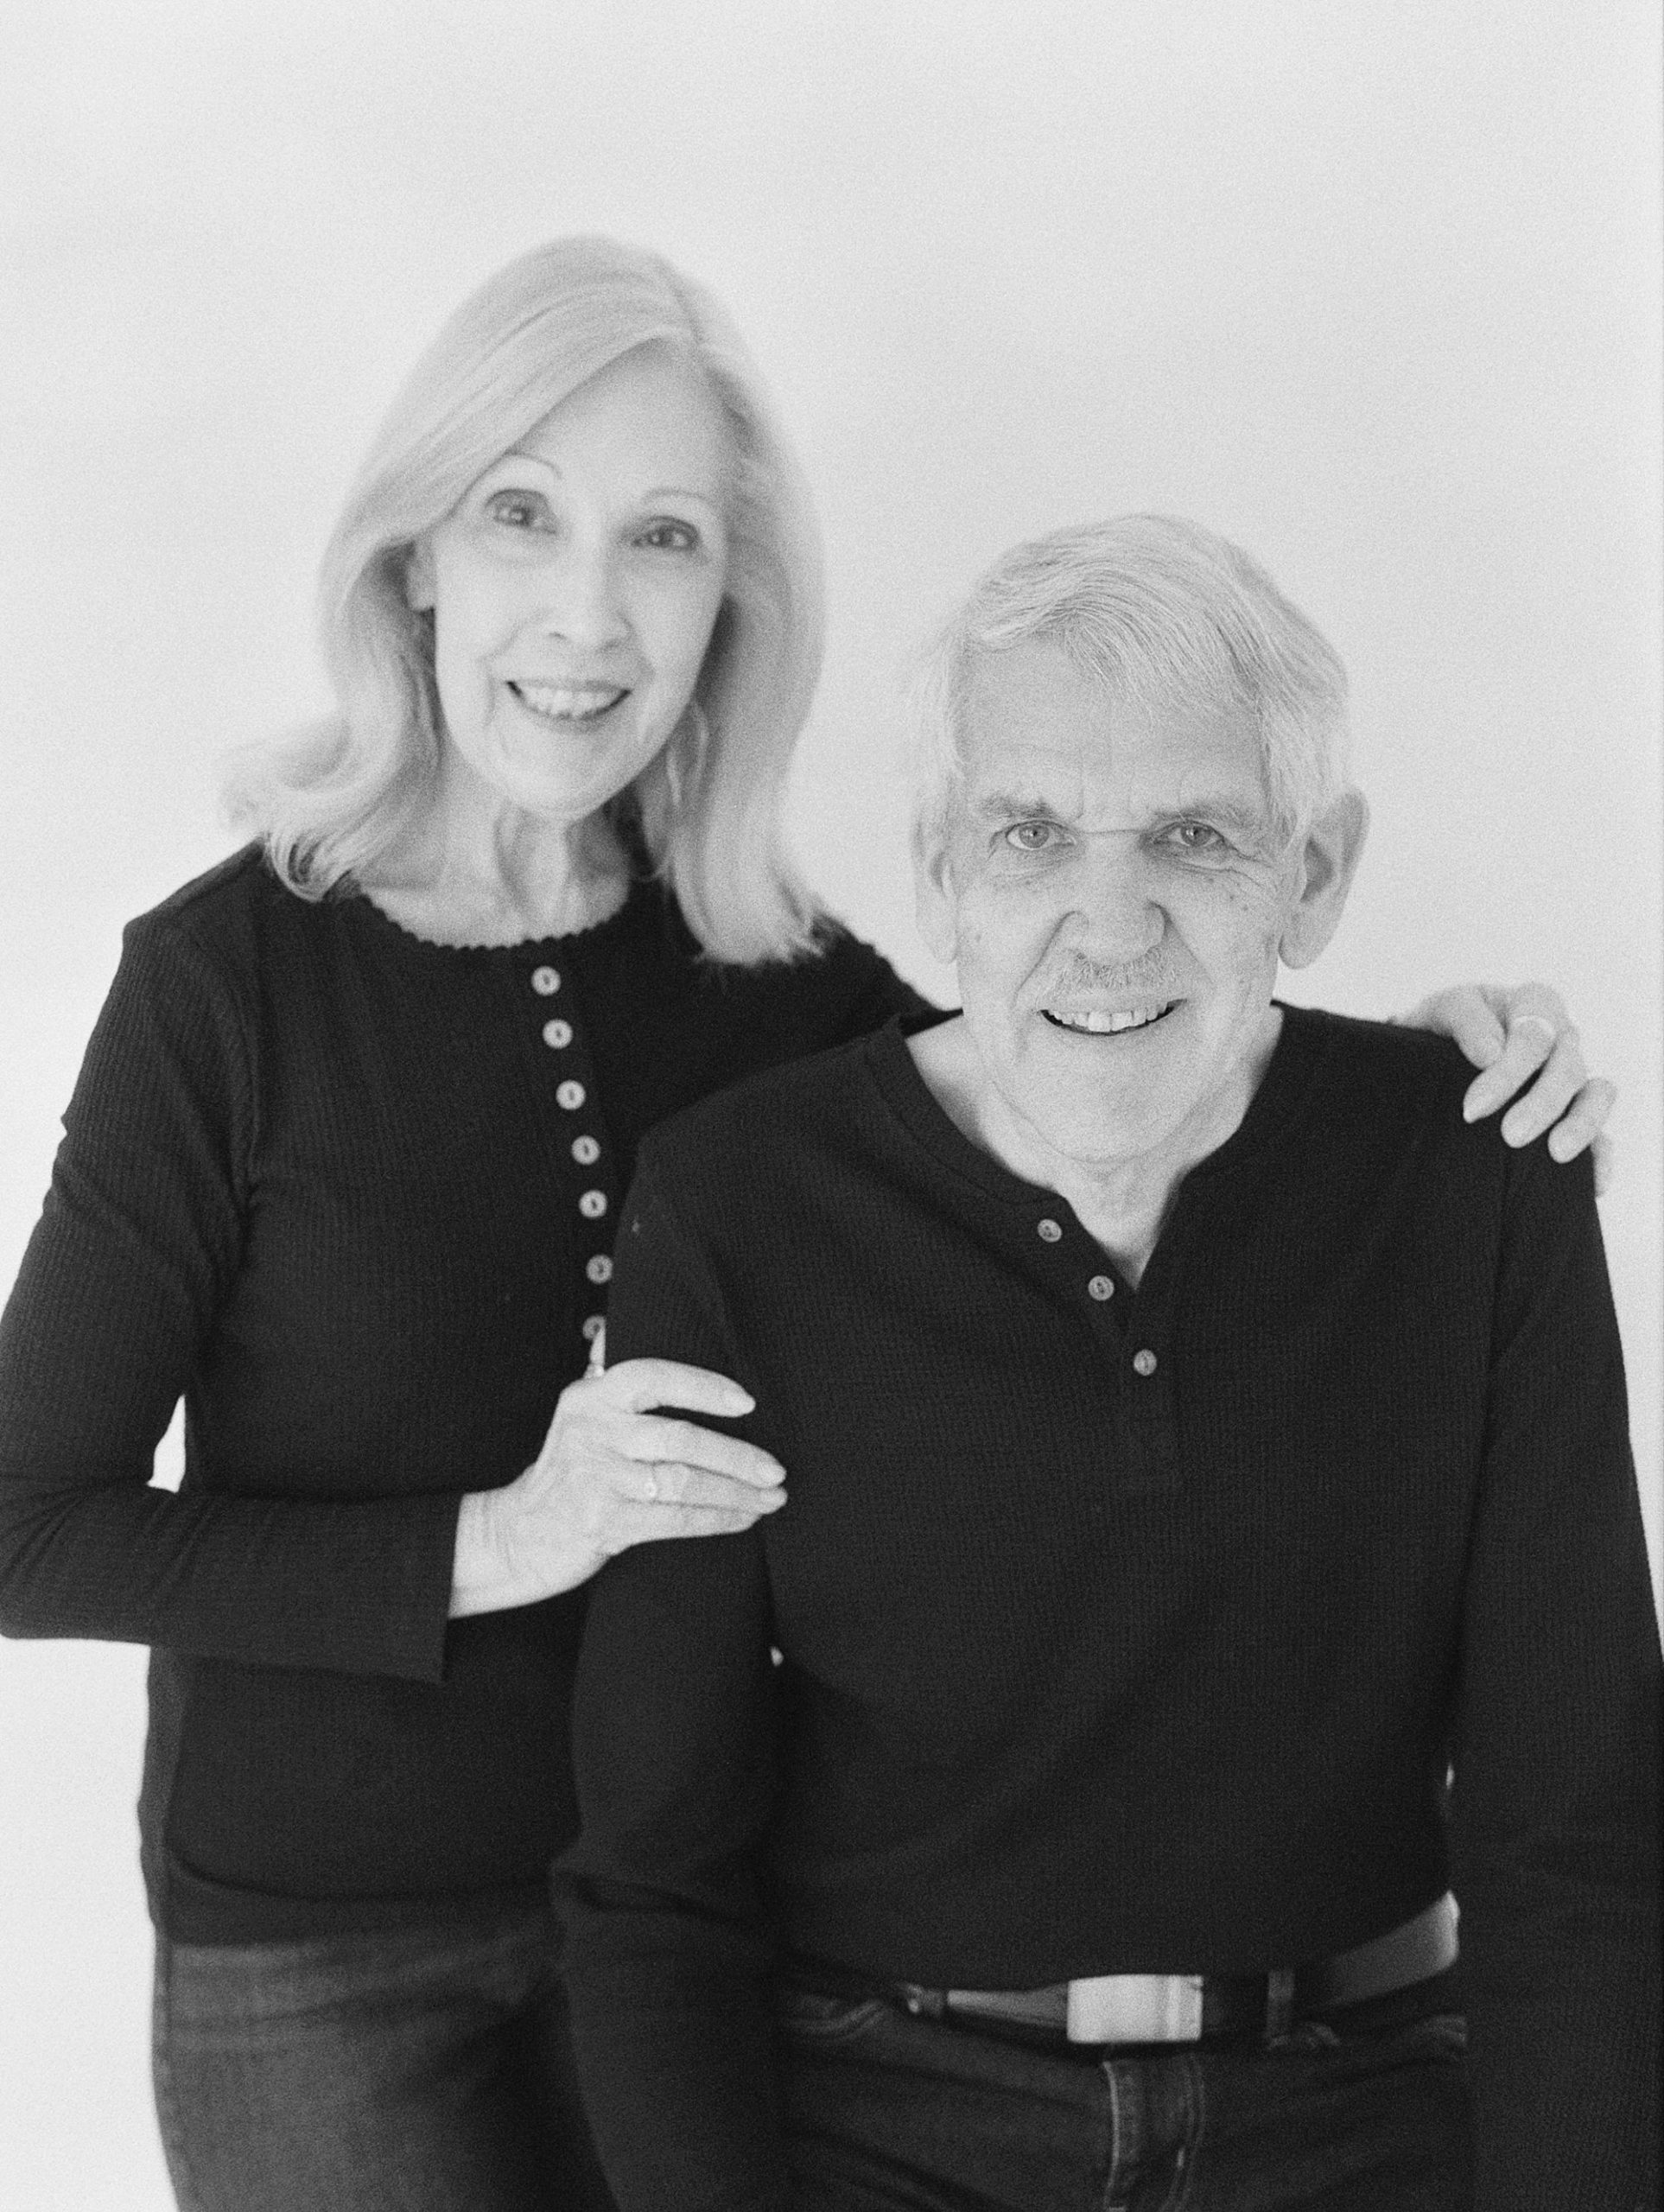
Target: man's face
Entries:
(1114, 895)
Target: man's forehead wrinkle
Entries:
(999, 807)
(1011, 790)
(1042, 740)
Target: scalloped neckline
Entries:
(636, 886)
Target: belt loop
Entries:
(1280, 2003)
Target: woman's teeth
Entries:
(1099, 1024)
(569, 702)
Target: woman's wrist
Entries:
(481, 1580)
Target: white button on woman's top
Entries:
(1144, 1363)
(557, 1033)
(1101, 1287)
(545, 981)
(586, 1151)
(1050, 1230)
(592, 1327)
(571, 1095)
(600, 1269)
(593, 1204)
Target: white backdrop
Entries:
(1375, 290)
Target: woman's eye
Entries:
(518, 510)
(1032, 837)
(670, 538)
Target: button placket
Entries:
(1150, 1400)
(582, 1149)
(1065, 1239)
(1139, 1440)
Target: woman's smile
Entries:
(568, 704)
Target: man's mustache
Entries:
(1143, 979)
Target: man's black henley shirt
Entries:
(1127, 1630)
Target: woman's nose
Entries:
(579, 598)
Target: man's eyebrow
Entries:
(1012, 806)
(1230, 812)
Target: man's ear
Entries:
(421, 588)
(1329, 859)
(933, 899)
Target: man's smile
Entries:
(1097, 1021)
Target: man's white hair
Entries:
(1166, 615)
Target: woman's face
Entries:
(573, 587)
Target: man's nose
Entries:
(578, 597)
(1116, 913)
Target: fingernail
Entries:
(742, 1400)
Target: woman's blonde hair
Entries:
(328, 802)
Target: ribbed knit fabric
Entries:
(1127, 1630)
(353, 1194)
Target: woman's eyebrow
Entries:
(681, 492)
(653, 491)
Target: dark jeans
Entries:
(420, 2070)
(1366, 2112)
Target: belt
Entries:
(1185, 2008)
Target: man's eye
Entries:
(518, 510)
(1197, 837)
(1032, 837)
(670, 538)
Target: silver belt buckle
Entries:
(1135, 2008)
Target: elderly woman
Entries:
(342, 1170)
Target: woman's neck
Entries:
(499, 875)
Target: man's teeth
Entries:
(1109, 1024)
(569, 702)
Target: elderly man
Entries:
(1202, 1447)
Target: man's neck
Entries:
(1121, 1202)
